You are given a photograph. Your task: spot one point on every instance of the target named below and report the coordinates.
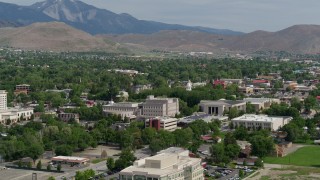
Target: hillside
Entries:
(298, 39)
(101, 21)
(53, 36)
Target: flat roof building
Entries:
(261, 103)
(165, 123)
(125, 109)
(165, 165)
(218, 108)
(69, 160)
(154, 107)
(200, 116)
(3, 100)
(253, 121)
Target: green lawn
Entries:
(305, 156)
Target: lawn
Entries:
(305, 156)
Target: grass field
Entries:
(305, 156)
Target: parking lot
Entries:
(222, 173)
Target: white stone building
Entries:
(154, 107)
(125, 109)
(253, 121)
(166, 165)
(218, 108)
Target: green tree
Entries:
(241, 133)
(110, 164)
(148, 134)
(59, 167)
(49, 167)
(261, 146)
(296, 103)
(63, 150)
(85, 175)
(309, 103)
(250, 108)
(233, 113)
(187, 135)
(232, 150)
(51, 178)
(39, 165)
(217, 152)
(259, 163)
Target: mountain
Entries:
(100, 21)
(297, 39)
(174, 40)
(53, 36)
(14, 15)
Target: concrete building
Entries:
(154, 107)
(252, 121)
(218, 108)
(71, 160)
(138, 88)
(165, 123)
(246, 90)
(261, 103)
(233, 81)
(12, 115)
(3, 100)
(166, 165)
(125, 109)
(183, 122)
(66, 117)
(22, 89)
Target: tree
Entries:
(29, 164)
(296, 103)
(229, 139)
(110, 164)
(34, 151)
(217, 152)
(49, 167)
(51, 178)
(187, 135)
(232, 150)
(85, 175)
(261, 146)
(39, 165)
(309, 103)
(259, 163)
(104, 154)
(148, 134)
(59, 167)
(241, 173)
(241, 133)
(233, 113)
(126, 159)
(63, 150)
(250, 108)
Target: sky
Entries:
(238, 15)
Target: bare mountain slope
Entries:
(298, 39)
(53, 36)
(178, 40)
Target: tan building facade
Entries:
(165, 123)
(218, 108)
(165, 166)
(253, 121)
(124, 109)
(154, 107)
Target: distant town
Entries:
(110, 116)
